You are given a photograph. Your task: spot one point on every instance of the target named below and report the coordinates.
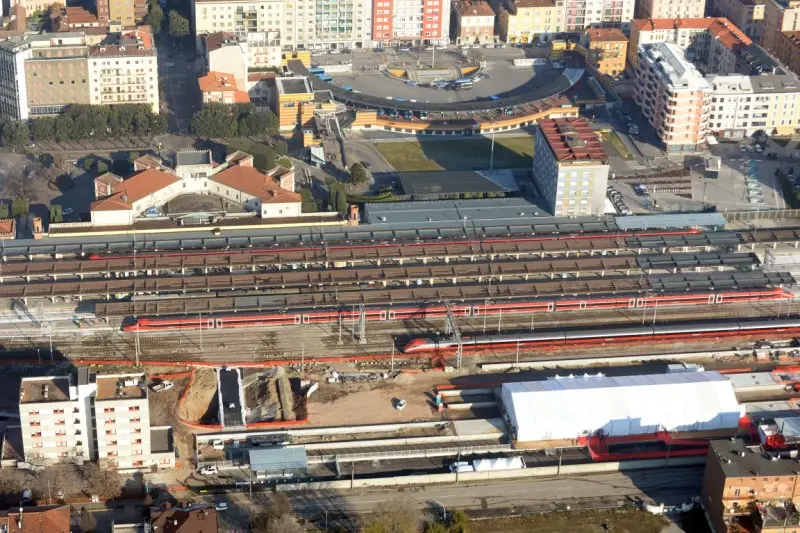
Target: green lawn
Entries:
(458, 154)
(618, 521)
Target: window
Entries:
(108, 410)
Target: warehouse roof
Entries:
(572, 407)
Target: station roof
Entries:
(277, 459)
(681, 220)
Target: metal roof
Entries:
(682, 220)
(272, 459)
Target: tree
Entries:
(281, 504)
(56, 214)
(19, 206)
(3, 216)
(268, 522)
(12, 482)
(43, 129)
(436, 527)
(88, 521)
(55, 9)
(102, 480)
(309, 205)
(281, 147)
(155, 17)
(102, 167)
(459, 523)
(63, 128)
(398, 515)
(178, 25)
(358, 174)
(15, 134)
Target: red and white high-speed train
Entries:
(600, 336)
(411, 312)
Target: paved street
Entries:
(180, 96)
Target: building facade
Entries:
(530, 20)
(606, 50)
(92, 417)
(220, 88)
(779, 16)
(581, 14)
(673, 95)
(747, 15)
(671, 9)
(788, 50)
(474, 22)
(410, 22)
(570, 167)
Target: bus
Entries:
(324, 77)
(316, 70)
(462, 83)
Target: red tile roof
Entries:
(251, 181)
(184, 520)
(605, 35)
(572, 139)
(37, 520)
(215, 41)
(723, 29)
(135, 188)
(474, 9)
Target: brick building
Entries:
(474, 22)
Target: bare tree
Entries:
(12, 483)
(102, 480)
(88, 521)
(284, 524)
(399, 515)
(52, 481)
(281, 504)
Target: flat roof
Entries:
(276, 459)
(161, 440)
(688, 220)
(121, 387)
(749, 461)
(193, 157)
(572, 140)
(45, 389)
(449, 182)
(505, 211)
(293, 85)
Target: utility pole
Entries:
(499, 320)
(392, 355)
(340, 327)
(302, 357)
(517, 364)
(451, 328)
(200, 321)
(485, 303)
(491, 156)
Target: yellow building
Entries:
(779, 16)
(605, 50)
(532, 19)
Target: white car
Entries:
(400, 404)
(67, 211)
(208, 470)
(221, 506)
(334, 51)
(218, 444)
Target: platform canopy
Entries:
(573, 407)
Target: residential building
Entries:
(747, 15)
(474, 22)
(91, 417)
(317, 24)
(79, 19)
(671, 9)
(606, 50)
(238, 186)
(196, 519)
(673, 95)
(779, 16)
(714, 45)
(226, 53)
(527, 20)
(581, 14)
(410, 22)
(788, 50)
(570, 167)
(39, 519)
(742, 105)
(41, 74)
(755, 487)
(219, 88)
(123, 69)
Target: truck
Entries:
(678, 368)
(485, 465)
(162, 386)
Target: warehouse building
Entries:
(572, 408)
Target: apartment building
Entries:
(671, 9)
(123, 69)
(581, 14)
(411, 22)
(474, 22)
(752, 487)
(310, 24)
(779, 16)
(90, 417)
(528, 20)
(713, 44)
(788, 50)
(673, 95)
(221, 88)
(742, 105)
(747, 15)
(570, 167)
(606, 50)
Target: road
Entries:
(671, 486)
(180, 95)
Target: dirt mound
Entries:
(200, 401)
(404, 378)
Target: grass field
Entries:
(458, 154)
(618, 521)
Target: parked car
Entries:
(400, 404)
(208, 470)
(221, 506)
(163, 385)
(218, 444)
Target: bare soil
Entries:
(200, 404)
(619, 521)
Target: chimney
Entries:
(286, 181)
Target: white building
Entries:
(575, 407)
(270, 195)
(581, 14)
(92, 417)
(570, 167)
(398, 22)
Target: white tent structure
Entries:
(572, 407)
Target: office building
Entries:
(570, 167)
(474, 22)
(713, 45)
(91, 417)
(779, 16)
(747, 15)
(581, 14)
(673, 95)
(525, 21)
(671, 9)
(606, 50)
(398, 22)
